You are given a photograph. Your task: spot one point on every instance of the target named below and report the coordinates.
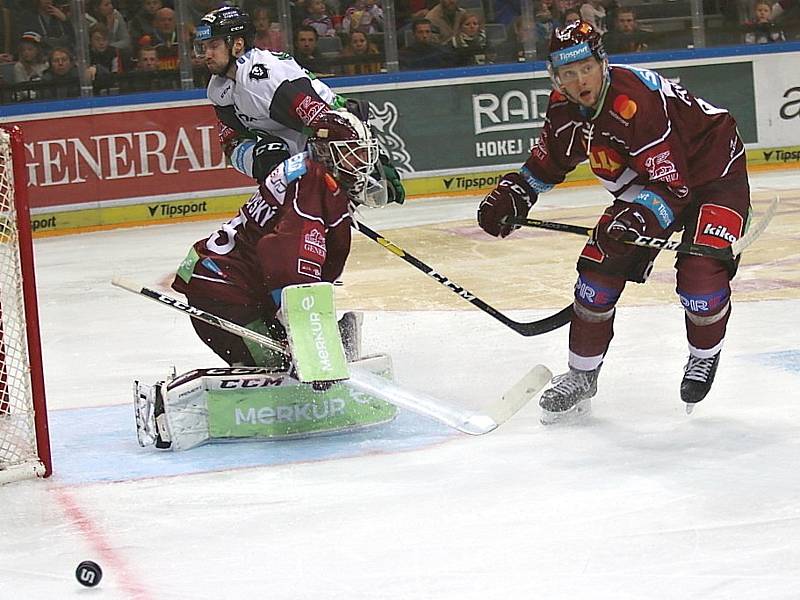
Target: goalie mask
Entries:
(353, 161)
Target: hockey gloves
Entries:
(395, 189)
(511, 198)
(625, 222)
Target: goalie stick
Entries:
(464, 420)
(726, 253)
(539, 327)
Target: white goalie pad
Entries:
(224, 404)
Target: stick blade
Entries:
(520, 394)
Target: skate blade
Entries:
(577, 412)
(690, 407)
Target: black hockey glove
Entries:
(512, 197)
(268, 153)
(625, 222)
(395, 189)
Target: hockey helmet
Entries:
(227, 22)
(352, 158)
(573, 42)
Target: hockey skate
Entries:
(569, 396)
(697, 379)
(148, 408)
(350, 330)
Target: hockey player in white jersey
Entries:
(267, 105)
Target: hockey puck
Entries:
(88, 573)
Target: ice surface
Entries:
(639, 501)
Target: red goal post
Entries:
(24, 438)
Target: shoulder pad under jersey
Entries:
(219, 90)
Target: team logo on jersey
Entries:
(718, 226)
(625, 107)
(259, 71)
(606, 162)
(313, 245)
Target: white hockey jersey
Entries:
(257, 94)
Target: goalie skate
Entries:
(148, 407)
(144, 412)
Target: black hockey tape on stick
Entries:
(726, 253)
(539, 327)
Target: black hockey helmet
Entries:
(573, 42)
(227, 22)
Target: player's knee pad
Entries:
(703, 288)
(596, 294)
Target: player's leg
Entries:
(601, 280)
(719, 217)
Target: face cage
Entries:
(353, 163)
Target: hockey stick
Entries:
(466, 421)
(539, 327)
(726, 253)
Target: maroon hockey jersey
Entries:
(295, 229)
(651, 142)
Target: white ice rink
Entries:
(640, 501)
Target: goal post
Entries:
(24, 437)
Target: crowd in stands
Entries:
(133, 45)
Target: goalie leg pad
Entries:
(207, 405)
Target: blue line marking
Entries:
(91, 445)
(785, 360)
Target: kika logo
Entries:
(719, 231)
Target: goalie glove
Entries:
(395, 189)
(512, 197)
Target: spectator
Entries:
(62, 74)
(522, 37)
(408, 10)
(594, 13)
(762, 29)
(103, 11)
(318, 18)
(570, 15)
(268, 34)
(358, 46)
(147, 59)
(142, 23)
(365, 16)
(8, 36)
(626, 37)
(31, 64)
(424, 52)
(469, 45)
(50, 22)
(305, 49)
(506, 11)
(101, 52)
(445, 19)
(545, 23)
(165, 40)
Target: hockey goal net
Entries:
(24, 441)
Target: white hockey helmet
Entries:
(352, 158)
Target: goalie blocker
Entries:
(238, 403)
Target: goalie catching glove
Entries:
(512, 197)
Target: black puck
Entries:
(88, 573)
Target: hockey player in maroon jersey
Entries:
(295, 229)
(672, 162)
